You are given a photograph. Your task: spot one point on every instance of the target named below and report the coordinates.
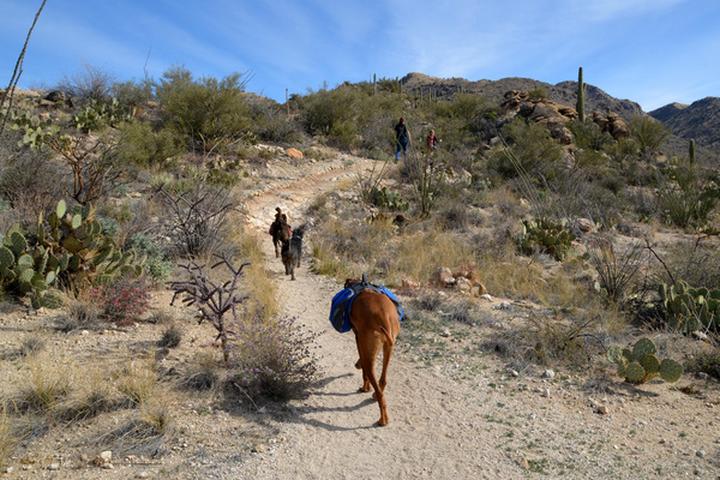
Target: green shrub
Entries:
(532, 149)
(141, 145)
(689, 196)
(648, 133)
(209, 113)
(545, 236)
(157, 264)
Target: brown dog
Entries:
(375, 322)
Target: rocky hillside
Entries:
(700, 120)
(563, 92)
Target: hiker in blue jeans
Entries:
(402, 138)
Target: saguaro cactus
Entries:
(581, 96)
(691, 151)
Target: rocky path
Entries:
(432, 433)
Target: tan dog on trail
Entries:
(375, 322)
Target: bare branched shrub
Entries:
(91, 164)
(198, 218)
(215, 301)
(617, 271)
(202, 373)
(26, 192)
(91, 85)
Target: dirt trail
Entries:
(491, 427)
(432, 433)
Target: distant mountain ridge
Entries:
(700, 121)
(563, 92)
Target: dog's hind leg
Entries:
(369, 348)
(387, 353)
(292, 270)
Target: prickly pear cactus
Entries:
(688, 309)
(640, 364)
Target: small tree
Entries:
(215, 301)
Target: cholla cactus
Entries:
(640, 364)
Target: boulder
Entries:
(294, 153)
(585, 225)
(463, 284)
(445, 277)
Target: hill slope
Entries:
(700, 120)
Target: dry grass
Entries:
(171, 337)
(81, 314)
(138, 382)
(7, 438)
(93, 394)
(202, 373)
(418, 257)
(49, 381)
(145, 433)
(260, 288)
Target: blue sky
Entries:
(651, 51)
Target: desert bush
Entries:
(171, 337)
(689, 196)
(588, 135)
(427, 175)
(30, 346)
(202, 373)
(26, 192)
(197, 218)
(92, 396)
(92, 85)
(275, 361)
(89, 160)
(530, 150)
(81, 314)
(545, 236)
(158, 266)
(569, 342)
(649, 133)
(122, 301)
(696, 262)
(617, 272)
(132, 94)
(209, 113)
(140, 144)
(706, 362)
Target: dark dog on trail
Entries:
(292, 251)
(280, 230)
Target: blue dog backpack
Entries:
(342, 301)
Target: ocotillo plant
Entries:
(581, 96)
(691, 152)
